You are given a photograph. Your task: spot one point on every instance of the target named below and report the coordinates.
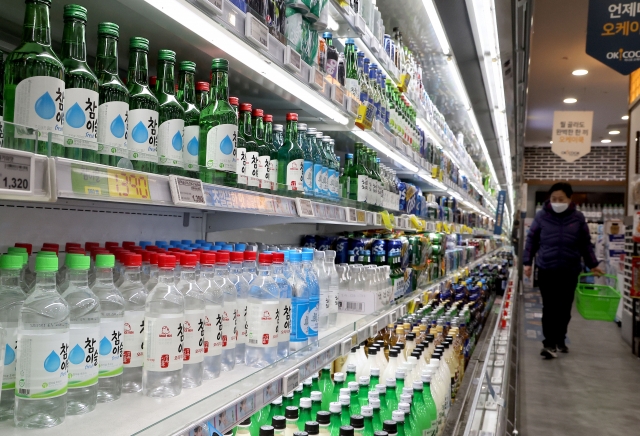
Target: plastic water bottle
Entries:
(334, 285)
(153, 272)
(284, 324)
(249, 274)
(84, 334)
(224, 278)
(163, 335)
(11, 299)
(110, 345)
(214, 301)
(263, 316)
(64, 277)
(145, 268)
(194, 318)
(135, 297)
(314, 294)
(47, 350)
(299, 304)
(286, 270)
(323, 286)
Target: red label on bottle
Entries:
(164, 361)
(265, 339)
(126, 357)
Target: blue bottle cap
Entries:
(220, 243)
(187, 241)
(159, 243)
(240, 247)
(307, 250)
(174, 243)
(227, 247)
(349, 155)
(307, 256)
(367, 60)
(295, 256)
(195, 245)
(360, 54)
(267, 252)
(350, 41)
(326, 35)
(286, 255)
(201, 241)
(143, 244)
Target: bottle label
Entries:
(333, 185)
(163, 342)
(362, 188)
(300, 319)
(353, 87)
(42, 364)
(274, 174)
(83, 355)
(313, 316)
(324, 181)
(284, 326)
(331, 67)
(308, 177)
(241, 165)
(241, 315)
(39, 104)
(142, 136)
(111, 347)
(221, 148)
(317, 179)
(229, 327)
(170, 143)
(264, 172)
(252, 169)
(333, 297)
(112, 128)
(193, 336)
(133, 354)
(81, 119)
(212, 330)
(190, 148)
(263, 318)
(9, 375)
(294, 175)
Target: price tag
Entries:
(352, 106)
(123, 184)
(378, 219)
(359, 24)
(346, 347)
(109, 182)
(352, 215)
(337, 94)
(290, 381)
(305, 208)
(393, 316)
(361, 216)
(366, 115)
(316, 79)
(373, 329)
(16, 172)
(292, 59)
(186, 191)
(362, 334)
(369, 218)
(255, 30)
(214, 6)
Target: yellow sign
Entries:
(386, 220)
(123, 184)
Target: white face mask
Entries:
(559, 207)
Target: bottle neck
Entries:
(249, 266)
(219, 85)
(153, 271)
(277, 268)
(36, 24)
(166, 275)
(187, 87)
(245, 128)
(258, 128)
(263, 270)
(104, 276)
(73, 41)
(268, 133)
(222, 269)
(138, 67)
(188, 273)
(10, 278)
(165, 83)
(132, 273)
(235, 267)
(107, 56)
(46, 281)
(207, 271)
(291, 132)
(78, 277)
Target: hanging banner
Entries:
(571, 134)
(497, 228)
(613, 27)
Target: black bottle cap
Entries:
(393, 353)
(312, 427)
(411, 336)
(416, 354)
(279, 422)
(380, 433)
(354, 349)
(346, 430)
(323, 417)
(300, 433)
(421, 346)
(357, 421)
(430, 337)
(373, 351)
(401, 345)
(390, 426)
(266, 430)
(246, 421)
(291, 412)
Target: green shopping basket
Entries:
(595, 301)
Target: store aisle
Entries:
(593, 390)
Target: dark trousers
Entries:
(557, 287)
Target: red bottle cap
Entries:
(176, 87)
(90, 245)
(233, 101)
(244, 107)
(131, 259)
(266, 258)
(257, 113)
(166, 261)
(151, 248)
(29, 247)
(69, 245)
(146, 255)
(197, 254)
(188, 260)
(176, 249)
(278, 257)
(291, 116)
(223, 251)
(128, 244)
(222, 257)
(111, 244)
(120, 254)
(268, 118)
(50, 250)
(237, 256)
(153, 80)
(202, 86)
(208, 258)
(250, 255)
(75, 250)
(153, 258)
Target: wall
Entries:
(602, 163)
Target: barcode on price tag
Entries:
(305, 208)
(186, 191)
(257, 31)
(16, 172)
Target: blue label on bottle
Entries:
(313, 316)
(317, 184)
(325, 181)
(364, 97)
(307, 177)
(299, 319)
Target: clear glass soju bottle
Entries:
(170, 117)
(218, 131)
(335, 189)
(34, 78)
(251, 154)
(81, 89)
(264, 151)
(113, 96)
(187, 90)
(143, 109)
(317, 155)
(291, 157)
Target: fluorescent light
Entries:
(438, 28)
(580, 72)
(625, 117)
(332, 24)
(550, 142)
(427, 178)
(614, 132)
(570, 100)
(606, 141)
(185, 14)
(375, 143)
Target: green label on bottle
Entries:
(221, 148)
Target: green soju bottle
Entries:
(358, 176)
(291, 157)
(305, 412)
(273, 152)
(345, 178)
(336, 420)
(326, 387)
(363, 392)
(316, 403)
(218, 131)
(187, 98)
(113, 96)
(142, 136)
(202, 95)
(351, 79)
(34, 87)
(81, 89)
(170, 117)
(430, 406)
(367, 414)
(251, 148)
(398, 417)
(264, 153)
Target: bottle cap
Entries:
(70, 245)
(265, 258)
(417, 385)
(77, 261)
(28, 247)
(382, 389)
(334, 407)
(373, 351)
(373, 394)
(105, 260)
(393, 353)
(46, 263)
(305, 402)
(400, 373)
(349, 155)
(279, 422)
(21, 252)
(75, 11)
(137, 42)
(291, 116)
(345, 400)
(357, 421)
(364, 380)
(266, 430)
(324, 417)
(353, 386)
(127, 244)
(246, 422)
(222, 258)
(350, 41)
(291, 412)
(278, 257)
(277, 401)
(312, 427)
(374, 402)
(406, 399)
(426, 377)
(397, 416)
(351, 367)
(268, 118)
(346, 430)
(202, 86)
(167, 55)
(131, 259)
(257, 113)
(207, 258)
(245, 107)
(188, 260)
(167, 261)
(188, 66)
(153, 258)
(375, 372)
(237, 256)
(298, 388)
(316, 396)
(219, 64)
(380, 433)
(338, 376)
(345, 391)
(390, 426)
(302, 126)
(278, 128)
(250, 255)
(307, 256)
(367, 410)
(11, 261)
(233, 101)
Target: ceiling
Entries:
(558, 48)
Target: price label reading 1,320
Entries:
(15, 172)
(123, 184)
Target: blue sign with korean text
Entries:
(613, 34)
(497, 228)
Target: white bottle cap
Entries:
(405, 398)
(277, 400)
(418, 384)
(308, 381)
(338, 376)
(404, 407)
(382, 389)
(305, 402)
(316, 396)
(327, 367)
(298, 388)
(354, 386)
(426, 377)
(335, 407)
(364, 380)
(344, 400)
(400, 373)
(374, 402)
(375, 372)
(397, 415)
(345, 391)
(413, 360)
(373, 394)
(351, 367)
(408, 390)
(391, 382)
(366, 411)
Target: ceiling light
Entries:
(614, 132)
(550, 142)
(438, 28)
(625, 117)
(570, 100)
(580, 72)
(381, 147)
(606, 141)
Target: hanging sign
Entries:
(613, 30)
(497, 228)
(571, 134)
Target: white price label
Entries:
(290, 381)
(352, 216)
(373, 329)
(316, 78)
(305, 208)
(16, 172)
(369, 218)
(186, 191)
(346, 347)
(254, 29)
(337, 94)
(359, 24)
(353, 105)
(292, 59)
(378, 219)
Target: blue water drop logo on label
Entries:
(9, 354)
(226, 146)
(140, 134)
(76, 356)
(117, 127)
(105, 346)
(193, 146)
(45, 107)
(176, 141)
(75, 116)
(52, 362)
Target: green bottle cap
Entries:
(139, 43)
(167, 55)
(75, 11)
(77, 261)
(219, 64)
(46, 254)
(46, 263)
(110, 29)
(188, 66)
(21, 252)
(11, 261)
(105, 260)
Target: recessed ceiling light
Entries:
(580, 72)
(614, 132)
(606, 141)
(550, 142)
(570, 100)
(625, 117)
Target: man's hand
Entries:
(597, 272)
(527, 270)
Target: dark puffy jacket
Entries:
(559, 240)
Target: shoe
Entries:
(548, 353)
(562, 348)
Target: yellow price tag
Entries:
(361, 216)
(123, 184)
(386, 220)
(366, 114)
(416, 223)
(439, 226)
(434, 172)
(404, 82)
